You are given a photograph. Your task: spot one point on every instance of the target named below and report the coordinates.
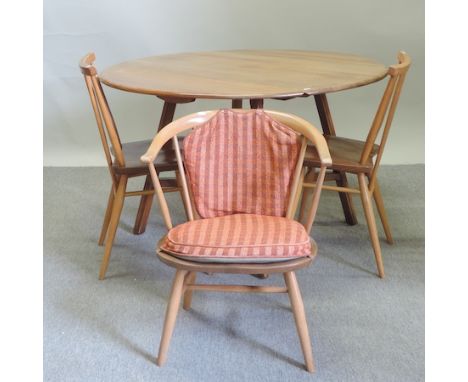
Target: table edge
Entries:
(293, 94)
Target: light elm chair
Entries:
(123, 161)
(362, 158)
(241, 172)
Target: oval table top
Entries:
(238, 74)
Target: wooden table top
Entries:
(241, 74)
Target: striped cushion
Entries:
(241, 163)
(239, 238)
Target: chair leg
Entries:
(299, 316)
(107, 216)
(114, 222)
(382, 213)
(144, 209)
(171, 315)
(368, 211)
(189, 279)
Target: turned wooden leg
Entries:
(171, 315)
(300, 317)
(368, 211)
(382, 213)
(107, 216)
(329, 129)
(189, 279)
(113, 224)
(144, 209)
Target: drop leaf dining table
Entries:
(253, 75)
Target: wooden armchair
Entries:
(363, 158)
(241, 174)
(123, 161)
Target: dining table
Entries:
(251, 75)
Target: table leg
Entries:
(237, 104)
(256, 103)
(167, 114)
(168, 110)
(329, 129)
(144, 209)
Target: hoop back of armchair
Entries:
(304, 130)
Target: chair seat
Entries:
(345, 154)
(165, 161)
(239, 238)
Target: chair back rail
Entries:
(183, 179)
(385, 111)
(104, 119)
(297, 180)
(308, 132)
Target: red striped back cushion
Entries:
(241, 163)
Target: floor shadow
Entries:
(340, 260)
(250, 341)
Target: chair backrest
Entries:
(386, 111)
(104, 119)
(241, 161)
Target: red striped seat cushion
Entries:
(241, 163)
(239, 238)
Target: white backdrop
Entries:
(118, 30)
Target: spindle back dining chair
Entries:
(363, 158)
(241, 174)
(123, 162)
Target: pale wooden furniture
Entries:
(186, 268)
(123, 160)
(252, 75)
(362, 158)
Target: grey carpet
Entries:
(362, 328)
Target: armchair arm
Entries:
(321, 146)
(309, 131)
(186, 123)
(301, 126)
